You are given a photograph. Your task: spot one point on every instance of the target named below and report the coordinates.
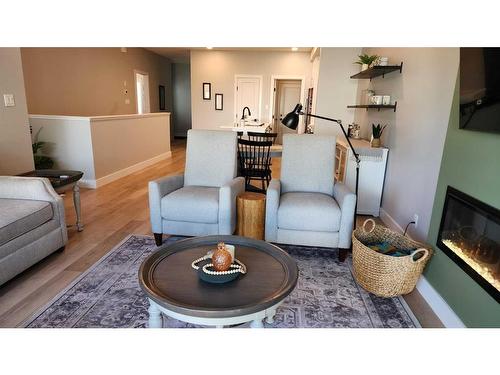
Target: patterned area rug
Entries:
(108, 295)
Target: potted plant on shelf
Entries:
(376, 134)
(366, 61)
(41, 161)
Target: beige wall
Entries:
(416, 132)
(105, 148)
(335, 89)
(15, 141)
(220, 67)
(123, 142)
(90, 81)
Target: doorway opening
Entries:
(287, 92)
(142, 92)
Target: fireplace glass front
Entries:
(470, 235)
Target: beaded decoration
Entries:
(234, 268)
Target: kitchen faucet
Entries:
(243, 114)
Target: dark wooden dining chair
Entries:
(254, 163)
(262, 137)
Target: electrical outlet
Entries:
(415, 219)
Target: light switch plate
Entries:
(8, 100)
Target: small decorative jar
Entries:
(375, 142)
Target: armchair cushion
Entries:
(210, 158)
(307, 163)
(308, 212)
(196, 204)
(20, 216)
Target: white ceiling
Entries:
(181, 55)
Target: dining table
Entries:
(248, 127)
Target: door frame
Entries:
(272, 94)
(236, 76)
(135, 88)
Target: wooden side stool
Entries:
(251, 214)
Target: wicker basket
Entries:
(385, 275)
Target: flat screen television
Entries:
(480, 89)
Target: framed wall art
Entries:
(219, 102)
(207, 91)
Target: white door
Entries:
(142, 92)
(287, 97)
(247, 94)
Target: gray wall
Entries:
(181, 99)
(335, 90)
(416, 132)
(15, 141)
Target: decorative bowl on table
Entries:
(219, 266)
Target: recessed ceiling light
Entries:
(295, 49)
(210, 47)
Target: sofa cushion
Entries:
(20, 216)
(196, 204)
(308, 211)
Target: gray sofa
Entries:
(32, 223)
(203, 200)
(305, 207)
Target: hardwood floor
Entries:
(109, 213)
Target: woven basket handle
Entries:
(366, 222)
(422, 258)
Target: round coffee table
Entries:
(174, 289)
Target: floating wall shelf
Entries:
(375, 106)
(378, 70)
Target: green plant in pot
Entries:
(41, 161)
(377, 131)
(366, 60)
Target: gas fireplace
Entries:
(470, 235)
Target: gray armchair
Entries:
(203, 200)
(305, 207)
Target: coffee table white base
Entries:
(155, 319)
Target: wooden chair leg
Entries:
(343, 254)
(158, 238)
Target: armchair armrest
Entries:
(38, 189)
(346, 200)
(157, 190)
(272, 204)
(227, 204)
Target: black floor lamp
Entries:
(291, 121)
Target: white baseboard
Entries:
(93, 184)
(389, 221)
(437, 303)
(86, 183)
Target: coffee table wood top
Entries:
(166, 277)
